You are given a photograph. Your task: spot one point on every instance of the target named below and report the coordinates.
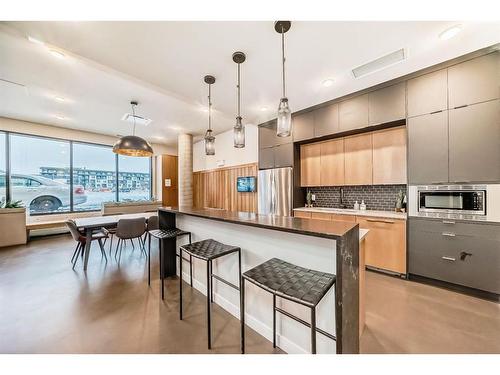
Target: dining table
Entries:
(89, 225)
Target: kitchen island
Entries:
(328, 246)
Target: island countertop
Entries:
(315, 228)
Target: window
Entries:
(134, 178)
(3, 168)
(94, 176)
(40, 173)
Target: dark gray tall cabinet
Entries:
(274, 151)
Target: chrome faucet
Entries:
(342, 204)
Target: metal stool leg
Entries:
(242, 314)
(180, 283)
(161, 271)
(211, 282)
(274, 320)
(149, 260)
(313, 330)
(209, 319)
(190, 264)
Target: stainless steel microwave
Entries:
(452, 200)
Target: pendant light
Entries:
(284, 122)
(239, 128)
(209, 138)
(131, 145)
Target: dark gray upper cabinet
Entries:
(387, 104)
(266, 158)
(326, 120)
(474, 81)
(353, 113)
(283, 155)
(428, 148)
(303, 126)
(428, 93)
(266, 136)
(474, 141)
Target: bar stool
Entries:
(163, 234)
(293, 283)
(208, 250)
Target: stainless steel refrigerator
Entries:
(275, 191)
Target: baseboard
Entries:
(266, 331)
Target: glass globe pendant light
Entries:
(209, 138)
(284, 121)
(239, 128)
(131, 145)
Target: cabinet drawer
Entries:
(321, 215)
(447, 259)
(340, 217)
(302, 214)
(452, 228)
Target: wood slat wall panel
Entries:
(217, 189)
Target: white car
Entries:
(42, 194)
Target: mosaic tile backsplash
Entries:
(377, 197)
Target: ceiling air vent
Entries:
(129, 117)
(380, 63)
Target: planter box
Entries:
(115, 208)
(12, 226)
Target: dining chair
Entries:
(152, 223)
(129, 229)
(81, 239)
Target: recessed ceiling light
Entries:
(263, 109)
(57, 54)
(450, 32)
(60, 117)
(59, 99)
(327, 82)
(34, 40)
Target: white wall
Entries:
(225, 150)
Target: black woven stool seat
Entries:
(167, 233)
(208, 249)
(292, 282)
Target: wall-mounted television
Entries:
(245, 184)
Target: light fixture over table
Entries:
(239, 128)
(131, 145)
(209, 138)
(284, 122)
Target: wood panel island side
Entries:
(328, 246)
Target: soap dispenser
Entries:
(356, 205)
(362, 206)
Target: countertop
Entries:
(314, 228)
(342, 211)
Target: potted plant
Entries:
(12, 223)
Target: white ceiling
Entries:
(162, 64)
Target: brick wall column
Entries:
(185, 165)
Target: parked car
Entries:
(42, 194)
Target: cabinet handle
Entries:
(448, 222)
(449, 259)
(461, 106)
(448, 234)
(432, 113)
(380, 221)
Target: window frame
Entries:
(8, 191)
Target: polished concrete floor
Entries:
(45, 307)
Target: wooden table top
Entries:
(107, 221)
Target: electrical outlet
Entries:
(313, 197)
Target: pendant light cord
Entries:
(209, 107)
(238, 86)
(283, 57)
(133, 113)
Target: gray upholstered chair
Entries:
(81, 239)
(153, 223)
(129, 229)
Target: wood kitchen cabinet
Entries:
(326, 120)
(387, 104)
(358, 164)
(353, 113)
(385, 243)
(303, 126)
(428, 93)
(428, 149)
(474, 143)
(474, 81)
(332, 163)
(310, 164)
(389, 156)
(321, 216)
(302, 214)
